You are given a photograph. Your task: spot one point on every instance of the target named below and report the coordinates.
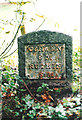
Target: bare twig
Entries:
(30, 92)
(14, 36)
(40, 25)
(9, 54)
(7, 51)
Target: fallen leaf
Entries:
(44, 96)
(41, 16)
(47, 101)
(56, 88)
(4, 94)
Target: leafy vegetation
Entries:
(76, 70)
(18, 102)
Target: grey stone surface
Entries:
(45, 37)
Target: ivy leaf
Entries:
(76, 54)
(4, 90)
(30, 115)
(44, 85)
(21, 110)
(39, 89)
(37, 106)
(23, 90)
(43, 114)
(16, 113)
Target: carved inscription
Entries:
(45, 61)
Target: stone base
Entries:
(64, 87)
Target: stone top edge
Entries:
(45, 32)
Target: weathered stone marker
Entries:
(45, 61)
(45, 55)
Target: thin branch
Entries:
(8, 50)
(9, 54)
(40, 25)
(14, 36)
(30, 91)
(2, 44)
(13, 41)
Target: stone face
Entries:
(45, 61)
(45, 55)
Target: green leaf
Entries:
(76, 54)
(44, 85)
(37, 106)
(58, 90)
(17, 106)
(3, 90)
(43, 114)
(31, 115)
(21, 110)
(39, 89)
(65, 100)
(28, 97)
(16, 113)
(23, 117)
(22, 89)
(33, 112)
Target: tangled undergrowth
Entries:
(20, 103)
